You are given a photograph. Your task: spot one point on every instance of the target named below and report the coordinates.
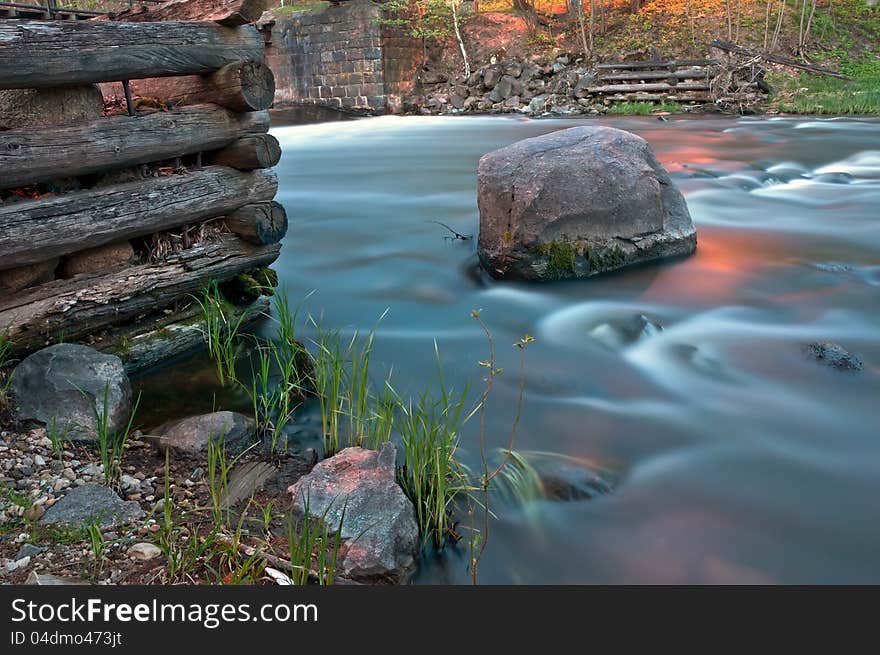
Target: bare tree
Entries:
(464, 56)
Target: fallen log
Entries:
(250, 152)
(230, 13)
(38, 155)
(651, 86)
(81, 305)
(727, 46)
(262, 224)
(32, 231)
(239, 87)
(36, 54)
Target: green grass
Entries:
(824, 95)
(431, 476)
(314, 548)
(111, 445)
(221, 332)
(643, 108)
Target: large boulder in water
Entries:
(578, 202)
(379, 523)
(68, 384)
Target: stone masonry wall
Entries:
(330, 57)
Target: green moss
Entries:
(560, 258)
(606, 259)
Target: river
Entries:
(739, 459)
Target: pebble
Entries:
(61, 484)
(69, 474)
(144, 551)
(39, 461)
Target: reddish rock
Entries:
(379, 527)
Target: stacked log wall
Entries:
(110, 224)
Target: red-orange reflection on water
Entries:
(724, 264)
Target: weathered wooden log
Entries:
(87, 303)
(240, 87)
(35, 54)
(36, 230)
(225, 12)
(145, 344)
(262, 224)
(38, 155)
(649, 65)
(652, 86)
(250, 152)
(686, 74)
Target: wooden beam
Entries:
(672, 63)
(230, 13)
(35, 155)
(250, 152)
(81, 305)
(36, 230)
(240, 87)
(686, 74)
(657, 86)
(38, 54)
(262, 224)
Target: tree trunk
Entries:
(262, 224)
(250, 152)
(28, 156)
(652, 86)
(239, 87)
(87, 303)
(37, 54)
(36, 230)
(230, 13)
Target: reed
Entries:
(314, 548)
(111, 445)
(431, 476)
(221, 332)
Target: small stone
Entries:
(34, 513)
(61, 484)
(834, 355)
(23, 563)
(39, 461)
(144, 551)
(69, 474)
(28, 550)
(197, 474)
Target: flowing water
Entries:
(739, 459)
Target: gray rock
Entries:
(491, 76)
(624, 331)
(833, 355)
(379, 528)
(512, 68)
(512, 102)
(68, 382)
(192, 434)
(87, 503)
(578, 202)
(584, 83)
(28, 550)
(564, 478)
(538, 103)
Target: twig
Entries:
(455, 235)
